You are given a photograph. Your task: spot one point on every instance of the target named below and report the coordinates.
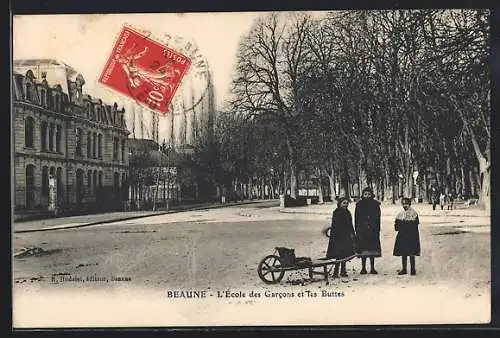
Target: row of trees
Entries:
(369, 97)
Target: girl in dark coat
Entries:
(408, 239)
(342, 239)
(367, 223)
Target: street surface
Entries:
(220, 249)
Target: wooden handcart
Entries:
(272, 268)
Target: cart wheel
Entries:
(270, 270)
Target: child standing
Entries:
(408, 238)
(442, 199)
(342, 239)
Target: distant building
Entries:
(151, 169)
(61, 133)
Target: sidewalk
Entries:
(423, 209)
(110, 217)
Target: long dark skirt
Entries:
(340, 247)
(407, 242)
(368, 243)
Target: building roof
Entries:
(57, 72)
(173, 158)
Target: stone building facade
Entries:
(65, 139)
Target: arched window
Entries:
(28, 132)
(51, 137)
(58, 138)
(99, 145)
(116, 145)
(57, 102)
(50, 100)
(89, 182)
(29, 95)
(30, 186)
(79, 186)
(124, 186)
(78, 136)
(116, 186)
(43, 97)
(52, 174)
(43, 132)
(123, 151)
(100, 179)
(89, 107)
(45, 181)
(94, 145)
(89, 144)
(94, 180)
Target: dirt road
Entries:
(140, 261)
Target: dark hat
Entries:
(369, 190)
(340, 200)
(406, 200)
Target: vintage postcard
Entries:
(251, 169)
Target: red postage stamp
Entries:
(144, 70)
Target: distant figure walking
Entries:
(442, 200)
(408, 238)
(449, 201)
(434, 197)
(367, 225)
(342, 239)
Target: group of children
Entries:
(442, 199)
(363, 239)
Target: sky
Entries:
(85, 41)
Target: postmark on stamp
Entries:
(144, 70)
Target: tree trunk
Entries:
(363, 180)
(439, 180)
(423, 191)
(331, 180)
(345, 187)
(463, 180)
(484, 199)
(293, 169)
(397, 190)
(409, 183)
(388, 186)
(285, 182)
(484, 163)
(417, 190)
(472, 181)
(381, 188)
(320, 190)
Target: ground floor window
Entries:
(30, 186)
(79, 186)
(116, 186)
(45, 182)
